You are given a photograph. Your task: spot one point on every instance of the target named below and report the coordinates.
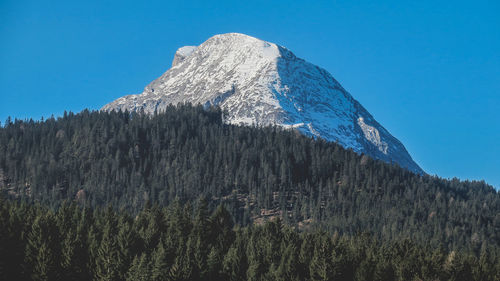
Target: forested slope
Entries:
(180, 243)
(185, 153)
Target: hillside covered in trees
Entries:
(127, 160)
(181, 243)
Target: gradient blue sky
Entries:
(427, 71)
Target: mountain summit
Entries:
(261, 83)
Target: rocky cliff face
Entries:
(261, 83)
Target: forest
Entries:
(182, 242)
(126, 160)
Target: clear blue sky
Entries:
(428, 71)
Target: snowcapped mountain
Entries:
(261, 83)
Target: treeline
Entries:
(186, 243)
(126, 159)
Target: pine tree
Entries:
(234, 265)
(73, 256)
(222, 224)
(214, 264)
(159, 266)
(320, 267)
(41, 253)
(289, 267)
(127, 246)
(107, 267)
(140, 269)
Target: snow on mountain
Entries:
(261, 83)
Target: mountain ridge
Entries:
(261, 83)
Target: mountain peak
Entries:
(234, 36)
(261, 83)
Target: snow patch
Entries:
(372, 135)
(186, 50)
(292, 126)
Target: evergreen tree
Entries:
(159, 266)
(140, 269)
(41, 249)
(107, 260)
